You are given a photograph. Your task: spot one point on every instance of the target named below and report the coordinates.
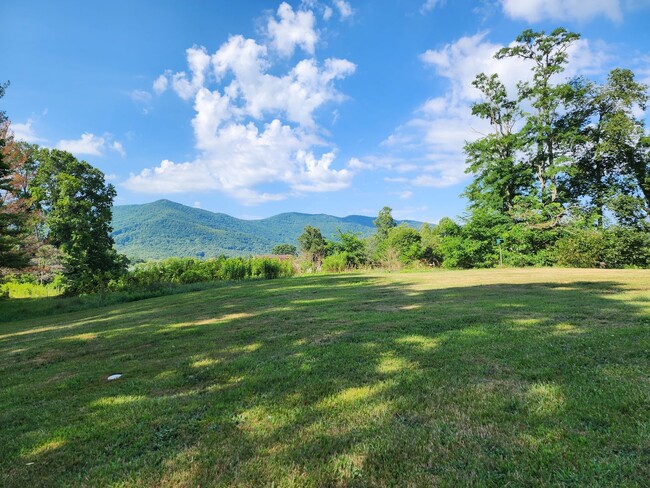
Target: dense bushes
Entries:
(336, 263)
(407, 242)
(581, 248)
(627, 247)
(572, 244)
(485, 239)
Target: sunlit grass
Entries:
(484, 378)
(29, 290)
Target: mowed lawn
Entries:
(487, 378)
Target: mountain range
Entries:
(164, 229)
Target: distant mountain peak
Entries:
(165, 228)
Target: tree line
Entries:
(392, 246)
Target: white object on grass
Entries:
(114, 377)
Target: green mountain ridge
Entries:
(163, 228)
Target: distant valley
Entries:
(163, 229)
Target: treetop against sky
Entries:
(255, 108)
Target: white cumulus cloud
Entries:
(198, 62)
(253, 128)
(293, 29)
(91, 144)
(87, 144)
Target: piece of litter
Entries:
(114, 377)
(29, 464)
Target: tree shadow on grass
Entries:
(337, 380)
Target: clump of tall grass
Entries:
(176, 271)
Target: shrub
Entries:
(580, 248)
(235, 269)
(459, 252)
(25, 289)
(390, 259)
(406, 241)
(628, 247)
(269, 268)
(354, 248)
(336, 263)
(430, 242)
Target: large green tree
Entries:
(76, 202)
(579, 155)
(384, 222)
(607, 147)
(520, 167)
(547, 55)
(313, 244)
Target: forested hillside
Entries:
(163, 228)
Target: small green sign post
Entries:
(499, 242)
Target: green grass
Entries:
(487, 378)
(29, 290)
(30, 307)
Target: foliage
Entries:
(313, 245)
(13, 214)
(430, 239)
(77, 205)
(581, 248)
(394, 246)
(281, 249)
(542, 131)
(26, 286)
(384, 222)
(352, 247)
(627, 247)
(47, 263)
(336, 263)
(406, 242)
(561, 158)
(524, 245)
(179, 271)
(606, 140)
(499, 176)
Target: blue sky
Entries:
(260, 107)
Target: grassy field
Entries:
(486, 378)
